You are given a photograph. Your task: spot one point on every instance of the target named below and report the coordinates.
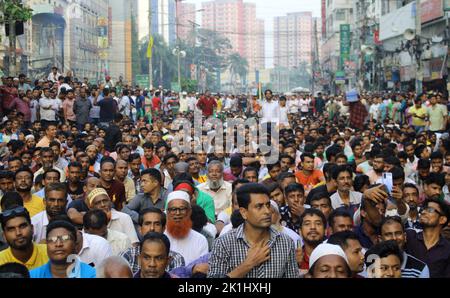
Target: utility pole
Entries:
(150, 64)
(12, 45)
(419, 60)
(362, 41)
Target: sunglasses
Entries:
(16, 211)
(431, 210)
(62, 238)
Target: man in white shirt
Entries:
(183, 239)
(270, 110)
(55, 205)
(54, 75)
(117, 221)
(48, 107)
(124, 104)
(95, 223)
(92, 249)
(216, 187)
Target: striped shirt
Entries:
(414, 268)
(230, 250)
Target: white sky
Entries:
(268, 9)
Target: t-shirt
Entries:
(35, 205)
(156, 103)
(309, 181)
(37, 259)
(44, 271)
(108, 108)
(437, 115)
(419, 112)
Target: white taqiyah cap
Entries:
(179, 195)
(326, 249)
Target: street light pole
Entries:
(419, 60)
(150, 64)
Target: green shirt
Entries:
(437, 114)
(205, 201)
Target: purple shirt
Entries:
(229, 177)
(186, 271)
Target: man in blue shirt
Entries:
(61, 237)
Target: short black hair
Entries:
(156, 237)
(11, 198)
(340, 169)
(94, 219)
(244, 193)
(198, 217)
(311, 212)
(107, 159)
(436, 155)
(148, 145)
(236, 219)
(294, 187)
(56, 224)
(360, 181)
(341, 238)
(250, 169)
(436, 178)
(271, 166)
(307, 154)
(397, 173)
(154, 173)
(238, 181)
(319, 196)
(75, 164)
(169, 156)
(52, 170)
(134, 156)
(6, 175)
(340, 212)
(442, 205)
(423, 164)
(284, 175)
(24, 169)
(383, 250)
(143, 212)
(391, 219)
(14, 270)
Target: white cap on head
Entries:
(274, 206)
(326, 249)
(178, 195)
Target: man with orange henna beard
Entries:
(183, 239)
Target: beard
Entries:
(179, 230)
(23, 246)
(215, 184)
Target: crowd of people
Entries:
(94, 183)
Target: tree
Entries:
(238, 65)
(12, 11)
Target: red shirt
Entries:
(207, 104)
(156, 102)
(150, 163)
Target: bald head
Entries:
(114, 267)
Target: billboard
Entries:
(431, 10)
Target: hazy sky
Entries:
(268, 9)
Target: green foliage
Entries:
(15, 10)
(189, 85)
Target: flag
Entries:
(149, 48)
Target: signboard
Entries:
(340, 77)
(345, 42)
(143, 81)
(352, 96)
(447, 5)
(431, 10)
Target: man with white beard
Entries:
(216, 187)
(183, 239)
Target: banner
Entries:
(345, 43)
(150, 48)
(447, 5)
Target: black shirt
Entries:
(108, 109)
(79, 205)
(113, 136)
(78, 193)
(437, 258)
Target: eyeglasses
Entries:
(63, 239)
(431, 210)
(11, 212)
(177, 210)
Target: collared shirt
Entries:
(119, 241)
(355, 201)
(446, 192)
(44, 271)
(437, 257)
(122, 222)
(51, 107)
(230, 251)
(40, 222)
(137, 181)
(61, 163)
(41, 194)
(186, 271)
(95, 249)
(222, 198)
(143, 201)
(414, 268)
(38, 257)
(192, 247)
(165, 275)
(131, 255)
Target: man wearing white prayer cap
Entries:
(183, 239)
(328, 261)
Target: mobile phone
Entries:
(387, 180)
(299, 243)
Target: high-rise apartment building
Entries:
(293, 39)
(185, 19)
(163, 19)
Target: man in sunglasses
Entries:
(61, 241)
(18, 232)
(429, 245)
